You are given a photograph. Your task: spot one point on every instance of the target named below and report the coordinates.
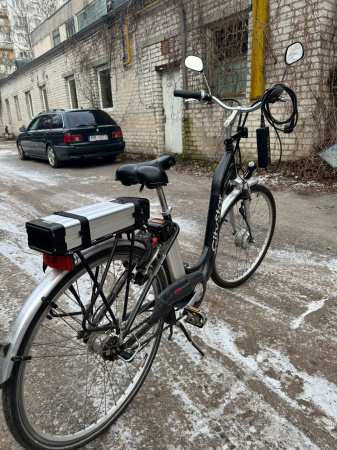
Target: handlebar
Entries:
(274, 95)
(208, 98)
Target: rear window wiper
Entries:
(87, 124)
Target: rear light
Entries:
(117, 134)
(59, 262)
(72, 137)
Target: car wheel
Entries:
(110, 158)
(22, 154)
(52, 158)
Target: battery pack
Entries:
(263, 147)
(68, 231)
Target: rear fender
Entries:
(10, 347)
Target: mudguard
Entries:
(10, 347)
(232, 196)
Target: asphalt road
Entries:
(268, 380)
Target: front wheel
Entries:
(72, 388)
(238, 256)
(21, 152)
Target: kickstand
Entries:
(171, 332)
(188, 337)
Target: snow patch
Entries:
(313, 306)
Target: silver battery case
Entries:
(76, 229)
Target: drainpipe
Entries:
(260, 24)
(127, 29)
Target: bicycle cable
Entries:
(270, 96)
(273, 95)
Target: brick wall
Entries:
(157, 40)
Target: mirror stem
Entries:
(205, 79)
(284, 74)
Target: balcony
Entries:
(6, 45)
(5, 29)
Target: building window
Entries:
(21, 38)
(230, 43)
(26, 55)
(16, 4)
(5, 54)
(56, 37)
(8, 111)
(5, 37)
(70, 27)
(44, 98)
(104, 84)
(72, 93)
(17, 107)
(19, 21)
(29, 101)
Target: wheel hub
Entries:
(242, 239)
(103, 345)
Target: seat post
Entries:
(165, 209)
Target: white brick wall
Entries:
(137, 87)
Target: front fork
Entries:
(244, 211)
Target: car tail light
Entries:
(72, 137)
(117, 134)
(59, 262)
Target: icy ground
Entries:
(268, 380)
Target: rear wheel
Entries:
(237, 256)
(52, 158)
(72, 389)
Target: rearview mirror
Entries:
(294, 53)
(194, 63)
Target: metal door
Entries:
(173, 112)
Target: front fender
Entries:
(30, 308)
(233, 195)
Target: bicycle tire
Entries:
(67, 394)
(236, 258)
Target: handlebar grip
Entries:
(187, 94)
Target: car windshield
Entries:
(89, 118)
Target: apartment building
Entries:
(7, 64)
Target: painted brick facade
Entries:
(160, 37)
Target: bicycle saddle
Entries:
(151, 173)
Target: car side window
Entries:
(43, 123)
(56, 121)
(32, 126)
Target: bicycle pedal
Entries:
(194, 316)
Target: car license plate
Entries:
(99, 137)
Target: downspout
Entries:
(259, 43)
(127, 29)
(127, 41)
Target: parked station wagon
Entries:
(62, 135)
